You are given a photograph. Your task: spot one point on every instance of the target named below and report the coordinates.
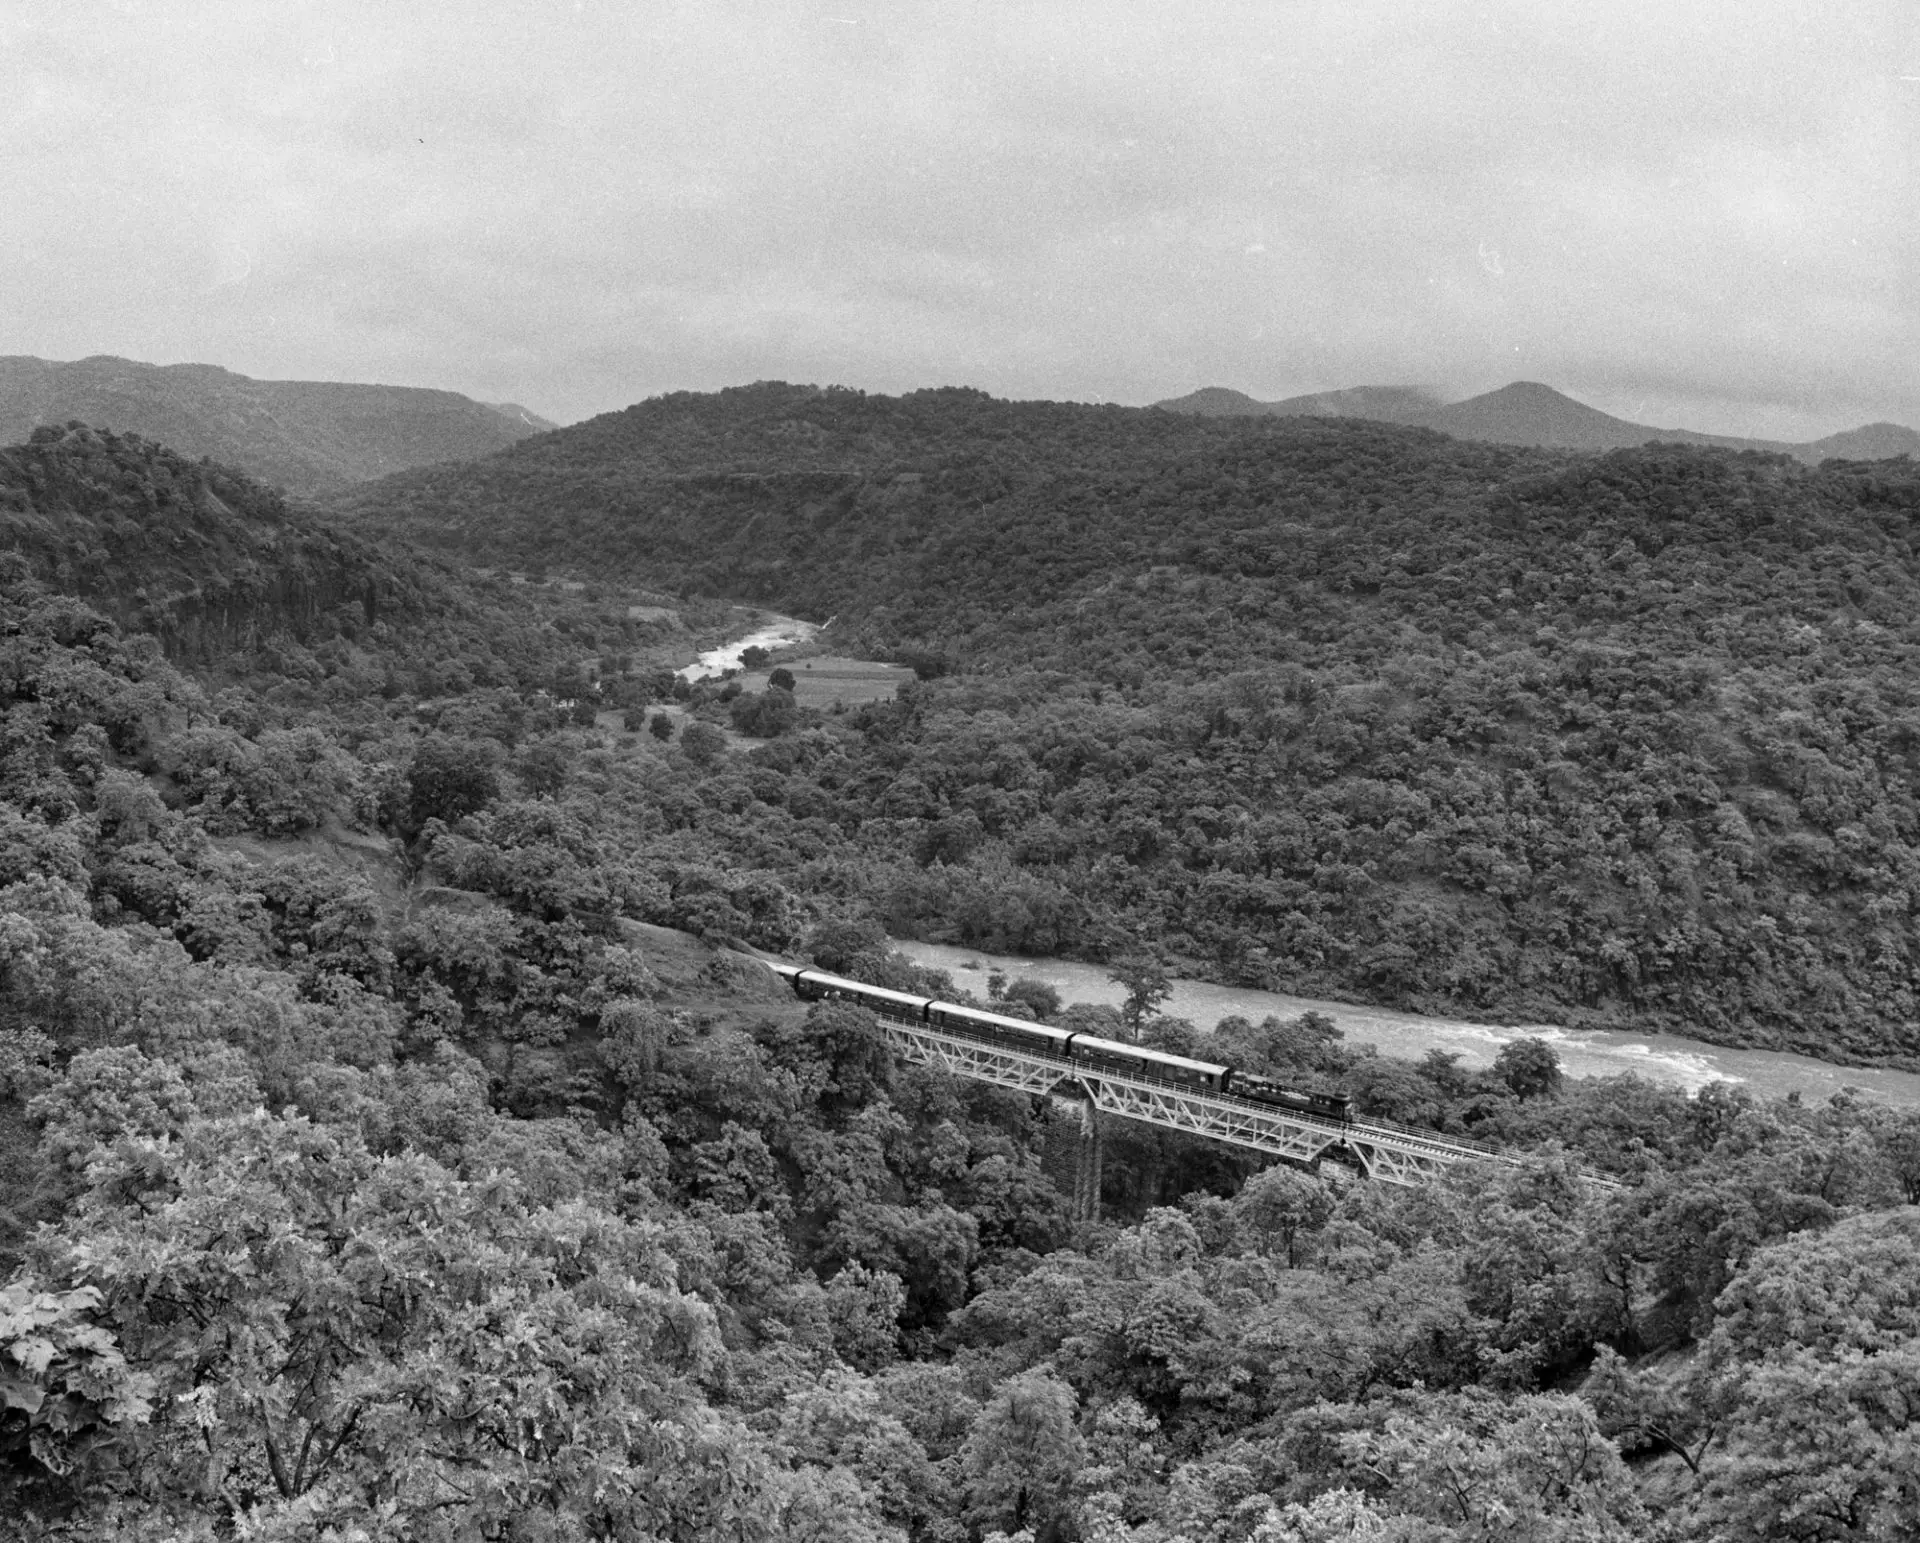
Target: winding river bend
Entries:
(774, 632)
(1669, 1058)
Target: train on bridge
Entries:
(1078, 1050)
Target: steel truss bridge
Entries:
(1393, 1154)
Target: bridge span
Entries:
(1391, 1153)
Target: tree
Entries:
(1897, 1133)
(1534, 1467)
(1530, 1067)
(837, 945)
(542, 768)
(660, 726)
(1812, 1372)
(839, 1425)
(858, 1057)
(781, 679)
(341, 1343)
(864, 1308)
(1820, 1448)
(764, 715)
(67, 1394)
(107, 1094)
(1637, 1410)
(1144, 979)
(930, 1248)
(448, 780)
(704, 744)
(1279, 1203)
(1021, 1456)
(1037, 994)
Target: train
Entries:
(1080, 1050)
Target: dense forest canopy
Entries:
(1330, 706)
(395, 1143)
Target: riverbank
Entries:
(1668, 1058)
(771, 632)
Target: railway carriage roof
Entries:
(860, 988)
(1144, 1053)
(1001, 1021)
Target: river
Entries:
(773, 633)
(1669, 1058)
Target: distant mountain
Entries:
(515, 413)
(1875, 442)
(303, 436)
(1219, 402)
(1528, 413)
(1383, 404)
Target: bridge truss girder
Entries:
(1389, 1156)
(1275, 1133)
(971, 1058)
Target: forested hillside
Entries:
(307, 436)
(394, 1143)
(1329, 706)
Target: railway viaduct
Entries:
(1377, 1149)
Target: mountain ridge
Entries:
(1531, 413)
(307, 437)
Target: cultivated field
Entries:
(824, 679)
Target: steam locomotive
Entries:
(1076, 1049)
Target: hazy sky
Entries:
(1686, 213)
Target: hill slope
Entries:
(201, 556)
(224, 572)
(1324, 704)
(304, 436)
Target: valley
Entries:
(375, 931)
(1326, 706)
(1014, 773)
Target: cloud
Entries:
(1699, 205)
